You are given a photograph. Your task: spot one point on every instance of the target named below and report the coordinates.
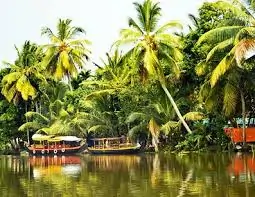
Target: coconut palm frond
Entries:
(105, 84)
(132, 23)
(204, 91)
(172, 64)
(230, 99)
(225, 64)
(150, 62)
(245, 33)
(10, 78)
(44, 131)
(30, 126)
(169, 126)
(32, 115)
(24, 86)
(218, 35)
(244, 50)
(47, 31)
(201, 68)
(97, 128)
(138, 128)
(215, 51)
(236, 21)
(56, 128)
(212, 99)
(167, 26)
(130, 34)
(100, 93)
(230, 7)
(63, 113)
(194, 116)
(135, 116)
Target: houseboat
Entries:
(117, 145)
(239, 136)
(55, 145)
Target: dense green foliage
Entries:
(171, 89)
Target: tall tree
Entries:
(227, 47)
(20, 82)
(232, 41)
(66, 53)
(153, 47)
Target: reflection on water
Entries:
(214, 175)
(55, 165)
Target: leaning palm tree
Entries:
(66, 54)
(153, 48)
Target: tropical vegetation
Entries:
(168, 86)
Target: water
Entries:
(148, 175)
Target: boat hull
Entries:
(131, 150)
(56, 151)
(236, 134)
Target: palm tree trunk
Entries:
(36, 107)
(28, 141)
(176, 108)
(155, 143)
(69, 82)
(243, 117)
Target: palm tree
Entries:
(151, 118)
(110, 81)
(228, 46)
(57, 121)
(83, 75)
(66, 54)
(20, 82)
(54, 118)
(112, 78)
(155, 118)
(234, 38)
(153, 48)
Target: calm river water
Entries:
(148, 175)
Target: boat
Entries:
(116, 145)
(55, 145)
(238, 137)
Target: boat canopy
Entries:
(52, 138)
(68, 138)
(40, 137)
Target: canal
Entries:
(145, 175)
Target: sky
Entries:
(102, 20)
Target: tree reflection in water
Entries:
(214, 175)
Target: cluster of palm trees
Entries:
(125, 94)
(35, 76)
